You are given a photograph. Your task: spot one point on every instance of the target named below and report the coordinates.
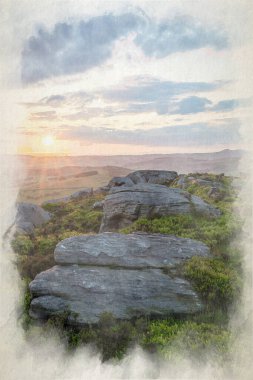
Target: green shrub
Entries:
(216, 233)
(218, 284)
(45, 245)
(82, 220)
(176, 339)
(110, 336)
(32, 265)
(22, 245)
(77, 338)
(26, 319)
(113, 337)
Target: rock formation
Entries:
(121, 274)
(124, 205)
(161, 177)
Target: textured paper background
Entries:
(46, 360)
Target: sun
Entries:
(48, 140)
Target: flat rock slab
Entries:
(124, 205)
(87, 292)
(138, 250)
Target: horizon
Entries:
(140, 154)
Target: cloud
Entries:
(153, 90)
(75, 47)
(47, 115)
(91, 112)
(76, 99)
(191, 105)
(53, 100)
(143, 95)
(186, 106)
(191, 135)
(179, 34)
(153, 95)
(226, 105)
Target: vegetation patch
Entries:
(218, 283)
(217, 233)
(35, 253)
(171, 338)
(175, 339)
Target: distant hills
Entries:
(49, 177)
(226, 161)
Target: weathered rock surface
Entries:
(137, 250)
(119, 274)
(29, 216)
(87, 292)
(162, 177)
(78, 194)
(124, 205)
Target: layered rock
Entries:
(121, 274)
(124, 205)
(29, 216)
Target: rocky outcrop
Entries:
(121, 274)
(202, 181)
(161, 177)
(216, 189)
(124, 205)
(77, 195)
(29, 216)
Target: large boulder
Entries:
(124, 205)
(127, 275)
(29, 216)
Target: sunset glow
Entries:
(48, 140)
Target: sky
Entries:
(128, 77)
